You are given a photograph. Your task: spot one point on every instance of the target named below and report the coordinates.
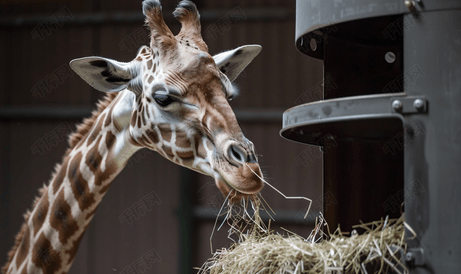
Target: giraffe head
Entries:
(180, 97)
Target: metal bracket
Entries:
(408, 105)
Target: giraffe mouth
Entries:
(232, 194)
(238, 182)
(235, 192)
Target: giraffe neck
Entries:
(62, 214)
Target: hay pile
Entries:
(260, 250)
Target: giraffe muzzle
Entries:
(243, 171)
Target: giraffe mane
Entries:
(87, 124)
(74, 139)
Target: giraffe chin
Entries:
(234, 196)
(248, 183)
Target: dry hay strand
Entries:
(260, 250)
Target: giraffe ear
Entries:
(105, 74)
(233, 62)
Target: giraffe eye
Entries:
(163, 100)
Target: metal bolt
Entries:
(397, 105)
(389, 57)
(313, 44)
(409, 257)
(418, 104)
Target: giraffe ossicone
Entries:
(171, 98)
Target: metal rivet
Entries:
(389, 57)
(397, 105)
(313, 44)
(418, 104)
(409, 257)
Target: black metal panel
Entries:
(364, 176)
(370, 50)
(432, 159)
(372, 58)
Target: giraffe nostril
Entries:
(236, 155)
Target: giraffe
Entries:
(171, 98)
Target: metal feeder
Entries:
(390, 121)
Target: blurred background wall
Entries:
(40, 96)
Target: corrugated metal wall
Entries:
(32, 53)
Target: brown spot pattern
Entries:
(149, 64)
(133, 118)
(150, 79)
(166, 132)
(110, 139)
(105, 188)
(73, 251)
(182, 140)
(185, 155)
(138, 120)
(45, 257)
(60, 176)
(148, 114)
(96, 130)
(99, 176)
(40, 214)
(168, 150)
(143, 119)
(61, 218)
(91, 213)
(154, 136)
(78, 184)
(109, 116)
(144, 140)
(93, 161)
(93, 157)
